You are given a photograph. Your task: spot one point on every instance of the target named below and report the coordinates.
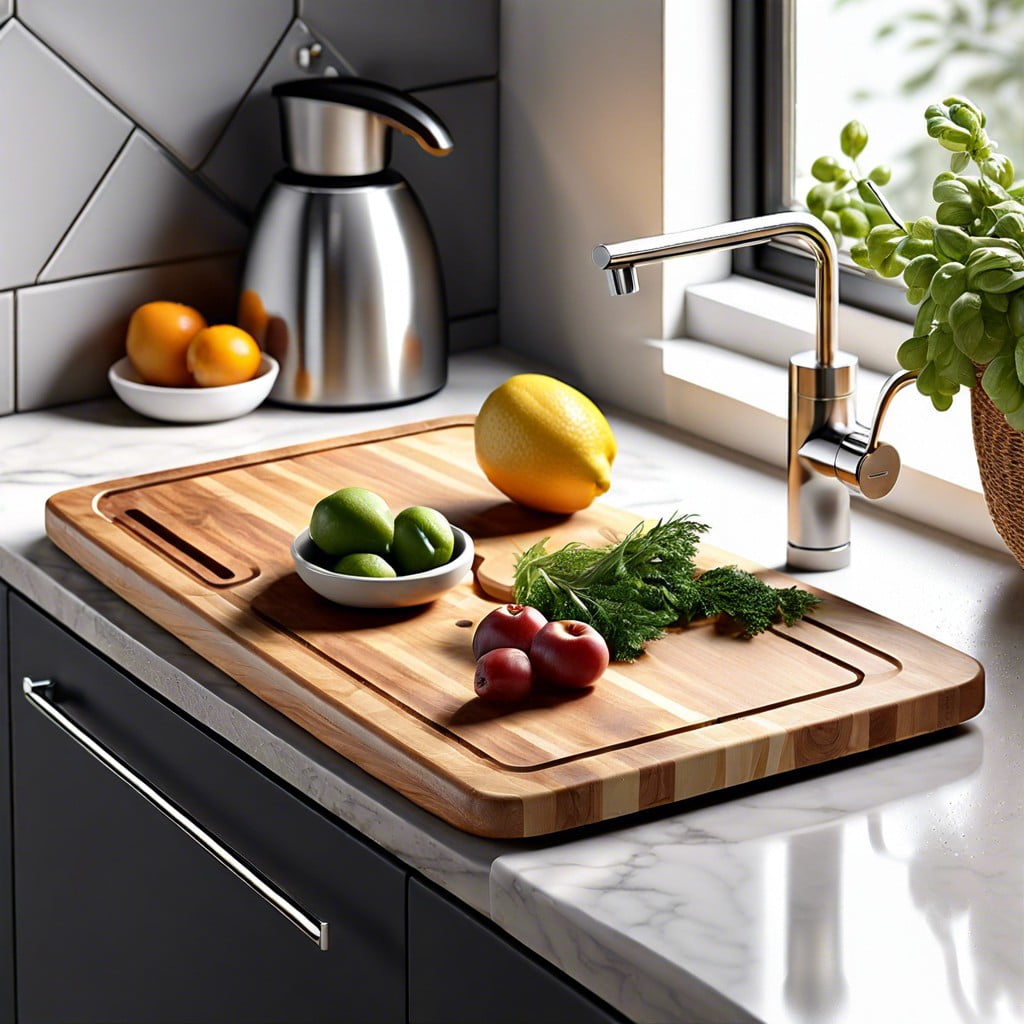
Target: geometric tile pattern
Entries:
(58, 136)
(145, 210)
(145, 134)
(178, 68)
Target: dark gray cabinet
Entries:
(6, 881)
(462, 970)
(115, 914)
(121, 916)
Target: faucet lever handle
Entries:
(862, 461)
(895, 383)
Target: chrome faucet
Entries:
(830, 454)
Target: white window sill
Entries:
(717, 390)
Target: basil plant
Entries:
(963, 267)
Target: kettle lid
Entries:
(339, 125)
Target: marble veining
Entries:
(887, 886)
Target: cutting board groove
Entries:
(204, 551)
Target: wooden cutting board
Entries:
(204, 552)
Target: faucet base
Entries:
(818, 559)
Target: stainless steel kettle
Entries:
(342, 283)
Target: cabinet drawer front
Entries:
(462, 970)
(134, 917)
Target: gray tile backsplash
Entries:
(138, 171)
(147, 209)
(58, 136)
(411, 44)
(71, 332)
(177, 69)
(463, 216)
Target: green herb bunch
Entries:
(963, 267)
(631, 591)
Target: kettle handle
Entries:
(397, 109)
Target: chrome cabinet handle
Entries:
(39, 694)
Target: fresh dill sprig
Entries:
(632, 590)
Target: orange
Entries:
(158, 338)
(223, 354)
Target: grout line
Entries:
(455, 82)
(245, 95)
(198, 258)
(81, 210)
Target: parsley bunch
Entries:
(631, 591)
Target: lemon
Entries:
(544, 444)
(363, 564)
(352, 520)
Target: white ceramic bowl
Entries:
(368, 592)
(192, 405)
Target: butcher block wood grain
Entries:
(204, 551)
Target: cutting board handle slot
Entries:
(198, 561)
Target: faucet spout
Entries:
(830, 454)
(621, 258)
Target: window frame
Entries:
(762, 96)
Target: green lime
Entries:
(423, 540)
(352, 519)
(363, 564)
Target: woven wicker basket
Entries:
(1000, 451)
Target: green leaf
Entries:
(859, 255)
(949, 283)
(881, 174)
(926, 379)
(1002, 384)
(953, 365)
(913, 353)
(891, 266)
(942, 401)
(924, 227)
(919, 272)
(817, 198)
(956, 214)
(967, 324)
(854, 223)
(1015, 314)
(923, 320)
(951, 243)
(1018, 359)
(825, 168)
(882, 242)
(910, 248)
(959, 162)
(963, 115)
(853, 138)
(1016, 419)
(952, 137)
(950, 190)
(940, 340)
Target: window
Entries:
(803, 68)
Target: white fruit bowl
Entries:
(192, 405)
(370, 592)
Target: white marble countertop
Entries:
(887, 886)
